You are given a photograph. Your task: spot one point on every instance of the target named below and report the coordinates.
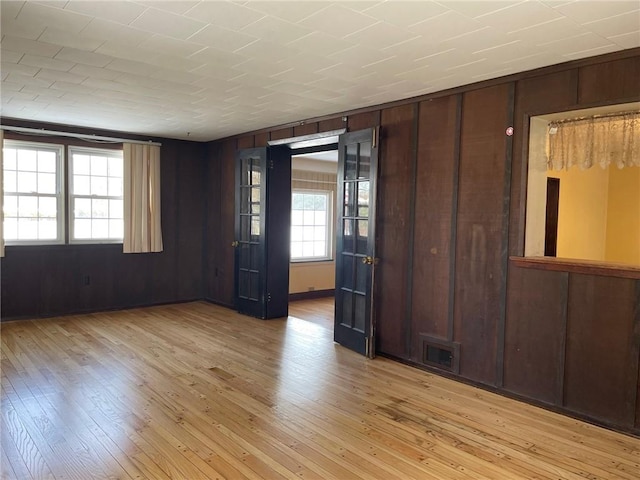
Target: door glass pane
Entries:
(255, 177)
(255, 259)
(347, 271)
(363, 199)
(362, 270)
(255, 227)
(244, 199)
(255, 195)
(255, 293)
(359, 313)
(364, 167)
(361, 243)
(244, 255)
(351, 162)
(244, 228)
(347, 309)
(349, 199)
(244, 169)
(243, 283)
(347, 236)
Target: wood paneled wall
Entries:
(451, 206)
(49, 280)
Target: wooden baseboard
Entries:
(311, 295)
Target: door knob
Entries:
(235, 243)
(367, 260)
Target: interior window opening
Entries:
(583, 192)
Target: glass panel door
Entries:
(355, 262)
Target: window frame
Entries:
(71, 197)
(59, 195)
(328, 257)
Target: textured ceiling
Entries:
(208, 69)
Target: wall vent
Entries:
(440, 353)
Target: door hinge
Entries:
(374, 141)
(268, 297)
(271, 164)
(366, 346)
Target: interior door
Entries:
(355, 249)
(249, 245)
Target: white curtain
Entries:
(595, 141)
(142, 226)
(1, 195)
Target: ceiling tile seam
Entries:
(636, 11)
(512, 5)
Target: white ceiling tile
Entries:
(42, 92)
(57, 75)
(39, 14)
(556, 29)
(166, 23)
(381, 35)
(360, 56)
(218, 58)
(131, 67)
(45, 62)
(320, 43)
(20, 28)
(175, 76)
(627, 40)
(18, 68)
(11, 57)
(579, 43)
(287, 10)
(106, 30)
(298, 75)
(11, 9)
(276, 30)
(620, 24)
(222, 38)
(176, 63)
(257, 65)
(338, 21)
(484, 38)
(590, 52)
(95, 72)
(512, 49)
(73, 88)
(476, 8)
(409, 14)
(224, 14)
(15, 44)
(267, 51)
(529, 14)
(86, 58)
(28, 80)
(116, 11)
(446, 26)
(117, 49)
(179, 6)
(170, 46)
(70, 39)
(585, 12)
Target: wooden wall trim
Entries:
(578, 266)
(454, 218)
(635, 355)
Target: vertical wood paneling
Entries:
(212, 220)
(247, 141)
(392, 229)
(435, 190)
(305, 129)
(331, 124)
(534, 96)
(479, 230)
(282, 133)
(227, 222)
(261, 139)
(535, 334)
(361, 121)
(610, 81)
(599, 380)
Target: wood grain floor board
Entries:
(196, 391)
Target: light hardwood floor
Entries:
(196, 391)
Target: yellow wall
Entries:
(309, 276)
(599, 214)
(623, 217)
(582, 215)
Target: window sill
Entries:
(588, 267)
(318, 262)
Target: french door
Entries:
(355, 249)
(263, 219)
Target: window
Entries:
(311, 225)
(33, 208)
(35, 200)
(95, 186)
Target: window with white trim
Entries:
(95, 195)
(33, 193)
(37, 206)
(310, 225)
